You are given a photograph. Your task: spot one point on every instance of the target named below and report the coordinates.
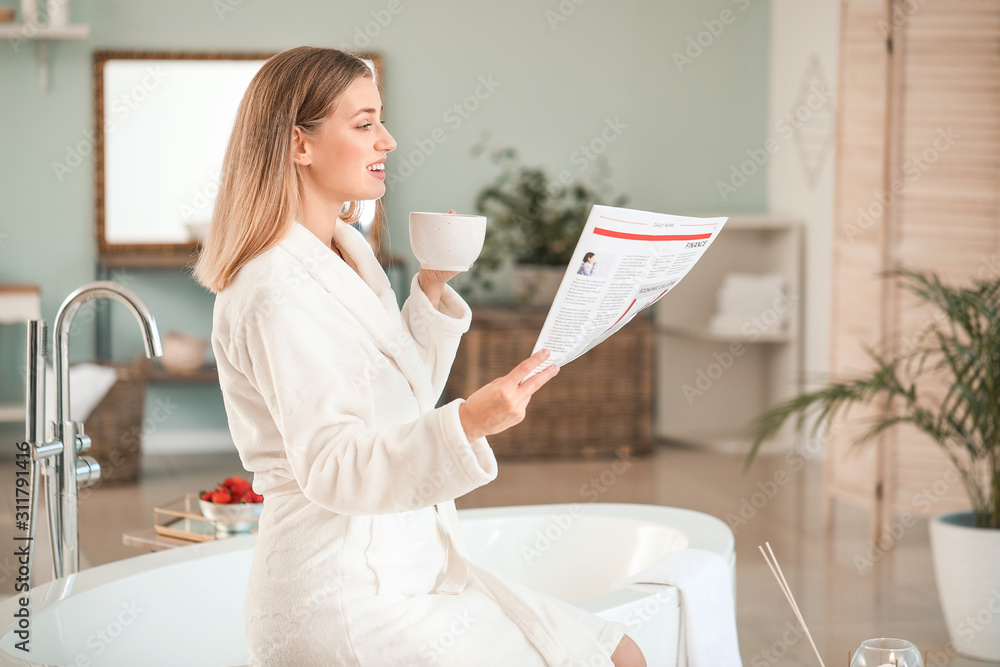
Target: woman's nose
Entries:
(386, 142)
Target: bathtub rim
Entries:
(712, 534)
(704, 531)
(719, 539)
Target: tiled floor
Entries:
(895, 597)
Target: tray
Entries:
(182, 518)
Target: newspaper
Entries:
(624, 262)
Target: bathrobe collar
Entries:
(366, 292)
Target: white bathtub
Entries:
(184, 607)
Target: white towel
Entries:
(750, 300)
(88, 384)
(708, 610)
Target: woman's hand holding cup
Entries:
(438, 242)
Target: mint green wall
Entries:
(560, 81)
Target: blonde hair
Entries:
(259, 188)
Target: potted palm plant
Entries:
(948, 387)
(534, 222)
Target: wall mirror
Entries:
(162, 122)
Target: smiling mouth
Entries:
(377, 167)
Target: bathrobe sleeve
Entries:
(435, 332)
(328, 391)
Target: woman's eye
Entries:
(365, 126)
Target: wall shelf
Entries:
(45, 32)
(41, 35)
(204, 375)
(710, 384)
(705, 333)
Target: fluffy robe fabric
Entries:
(330, 391)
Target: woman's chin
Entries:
(373, 192)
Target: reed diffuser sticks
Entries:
(772, 563)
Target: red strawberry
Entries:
(207, 495)
(237, 485)
(222, 497)
(256, 497)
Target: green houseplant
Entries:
(947, 386)
(534, 220)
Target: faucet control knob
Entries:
(83, 442)
(88, 471)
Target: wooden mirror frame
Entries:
(114, 255)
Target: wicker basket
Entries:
(115, 425)
(600, 404)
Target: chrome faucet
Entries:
(54, 454)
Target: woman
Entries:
(330, 392)
(588, 266)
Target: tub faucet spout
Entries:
(55, 462)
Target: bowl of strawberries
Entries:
(233, 505)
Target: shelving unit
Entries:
(41, 35)
(709, 385)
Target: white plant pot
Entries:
(536, 284)
(967, 569)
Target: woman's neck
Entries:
(320, 218)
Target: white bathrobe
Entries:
(330, 393)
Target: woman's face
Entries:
(346, 155)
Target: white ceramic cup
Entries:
(446, 241)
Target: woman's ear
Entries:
(301, 155)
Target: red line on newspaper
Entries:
(650, 237)
(659, 296)
(623, 315)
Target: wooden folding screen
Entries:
(918, 186)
